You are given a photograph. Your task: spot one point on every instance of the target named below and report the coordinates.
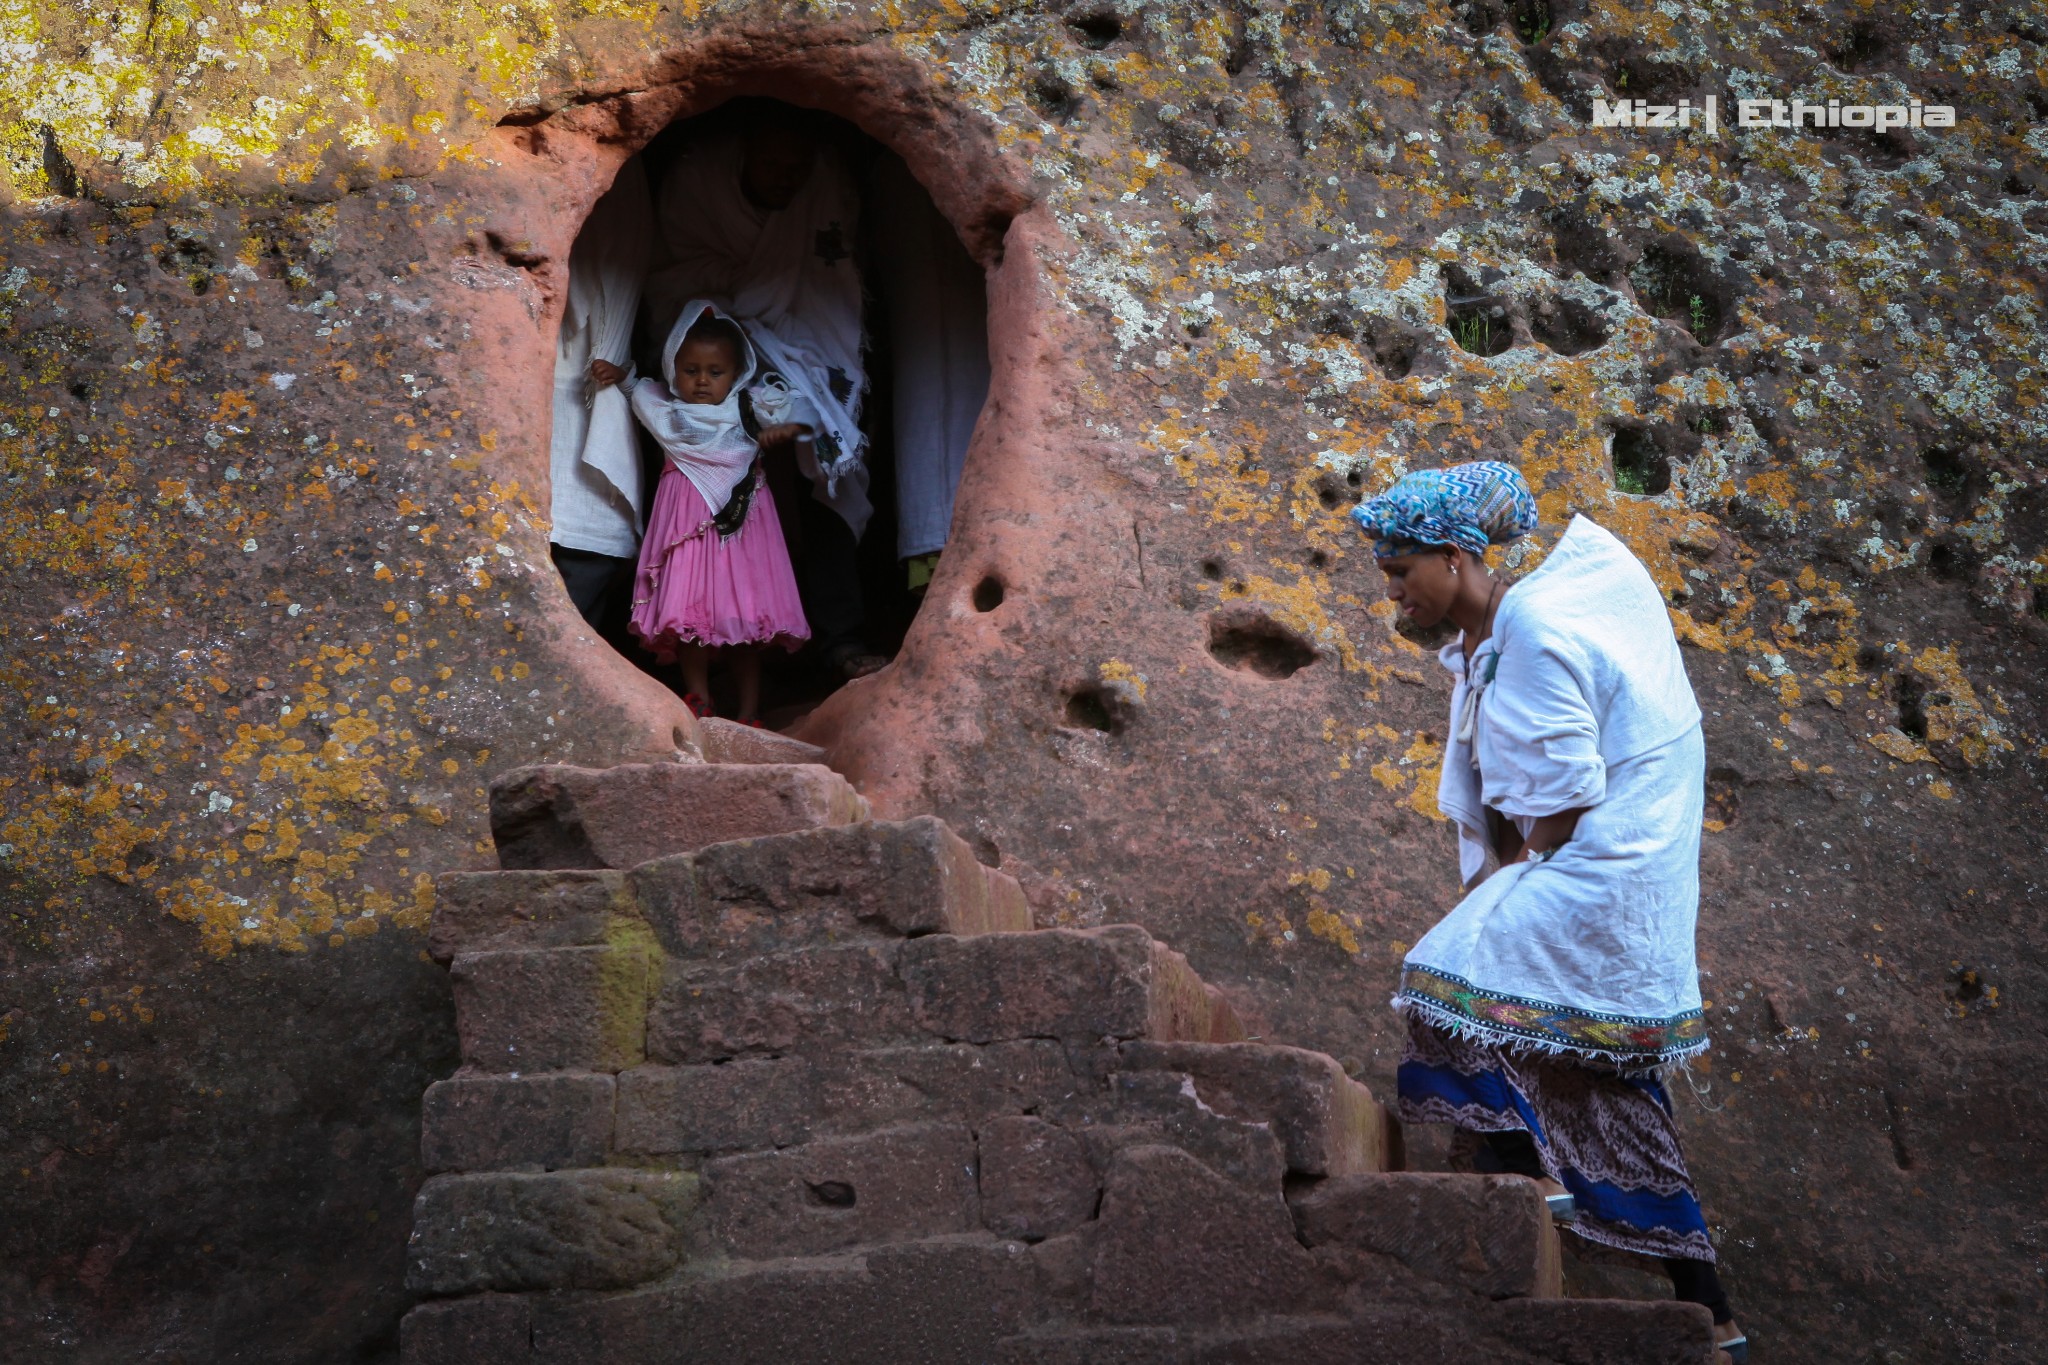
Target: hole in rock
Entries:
(1567, 326)
(1317, 559)
(988, 594)
(1911, 700)
(1212, 569)
(1947, 475)
(1477, 320)
(1394, 347)
(833, 1194)
(1639, 466)
(1947, 563)
(1533, 20)
(1096, 27)
(1093, 708)
(1053, 96)
(1481, 16)
(860, 295)
(1259, 644)
(1862, 46)
(1673, 282)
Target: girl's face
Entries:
(1422, 584)
(705, 371)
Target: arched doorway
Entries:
(922, 377)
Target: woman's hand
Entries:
(1550, 832)
(604, 374)
(782, 434)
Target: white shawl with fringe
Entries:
(597, 501)
(706, 442)
(788, 275)
(1579, 700)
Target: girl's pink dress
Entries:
(693, 588)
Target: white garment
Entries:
(788, 276)
(597, 501)
(1588, 706)
(938, 326)
(706, 442)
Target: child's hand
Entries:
(782, 433)
(604, 374)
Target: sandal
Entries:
(1563, 1208)
(700, 707)
(1737, 1349)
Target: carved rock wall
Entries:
(277, 293)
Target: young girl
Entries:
(714, 572)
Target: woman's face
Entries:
(1422, 584)
(705, 371)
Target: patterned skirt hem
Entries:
(1444, 1016)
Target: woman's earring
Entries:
(1454, 570)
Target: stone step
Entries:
(1076, 984)
(873, 879)
(557, 816)
(555, 1009)
(1491, 1235)
(1517, 1332)
(889, 878)
(728, 741)
(512, 1231)
(1327, 1123)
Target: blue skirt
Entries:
(1606, 1135)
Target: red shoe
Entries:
(699, 706)
(756, 723)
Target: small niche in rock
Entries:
(1947, 475)
(1318, 559)
(1481, 17)
(1672, 282)
(1533, 20)
(833, 1194)
(1256, 643)
(1887, 149)
(1948, 563)
(1706, 422)
(187, 256)
(1640, 467)
(1394, 347)
(1477, 320)
(1095, 26)
(1911, 700)
(988, 594)
(1094, 708)
(1583, 245)
(1861, 48)
(1212, 569)
(1053, 96)
(1567, 326)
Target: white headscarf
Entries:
(706, 441)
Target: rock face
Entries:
(274, 293)
(1010, 1143)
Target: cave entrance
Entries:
(914, 382)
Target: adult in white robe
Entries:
(937, 303)
(597, 497)
(1544, 1008)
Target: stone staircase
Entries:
(750, 1077)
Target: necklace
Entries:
(1485, 624)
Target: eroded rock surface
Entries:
(275, 291)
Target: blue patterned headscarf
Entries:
(1471, 506)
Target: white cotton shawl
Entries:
(788, 275)
(706, 442)
(1588, 705)
(598, 502)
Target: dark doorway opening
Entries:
(924, 323)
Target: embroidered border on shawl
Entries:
(1510, 1021)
